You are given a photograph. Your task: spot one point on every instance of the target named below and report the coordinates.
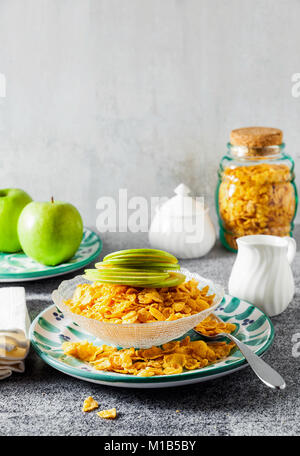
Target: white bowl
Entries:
(139, 335)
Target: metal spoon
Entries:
(265, 372)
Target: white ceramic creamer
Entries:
(262, 274)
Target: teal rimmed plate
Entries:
(51, 328)
(17, 267)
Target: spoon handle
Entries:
(265, 372)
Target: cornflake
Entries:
(169, 359)
(89, 404)
(122, 304)
(258, 199)
(211, 327)
(110, 414)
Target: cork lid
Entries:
(256, 137)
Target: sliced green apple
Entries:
(147, 254)
(138, 268)
(144, 276)
(133, 281)
(129, 272)
(175, 278)
(140, 264)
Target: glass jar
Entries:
(256, 192)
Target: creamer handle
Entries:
(292, 247)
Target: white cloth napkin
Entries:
(14, 326)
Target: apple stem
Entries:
(52, 199)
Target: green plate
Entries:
(17, 267)
(51, 328)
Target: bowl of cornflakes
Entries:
(124, 316)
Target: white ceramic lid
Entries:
(182, 205)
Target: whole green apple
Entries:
(50, 232)
(12, 202)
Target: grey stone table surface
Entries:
(43, 401)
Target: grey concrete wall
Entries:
(139, 94)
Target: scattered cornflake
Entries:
(89, 404)
(211, 326)
(110, 414)
(171, 358)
